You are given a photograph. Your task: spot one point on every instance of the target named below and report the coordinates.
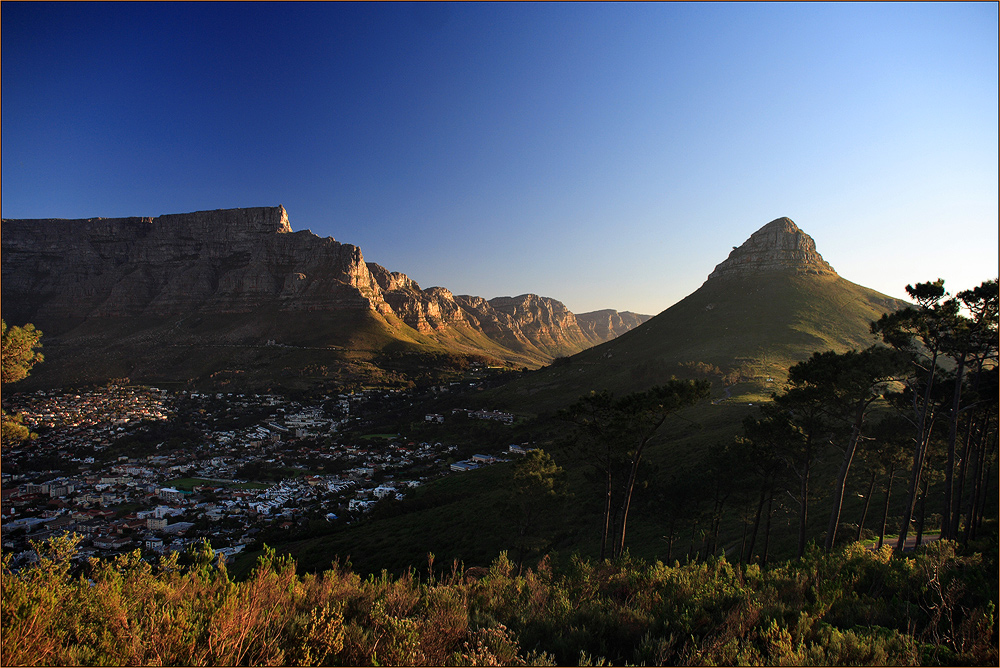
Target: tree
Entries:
(981, 438)
(919, 333)
(803, 406)
(12, 429)
(961, 328)
(676, 498)
(595, 419)
(972, 343)
(537, 484)
(849, 384)
(886, 458)
(18, 354)
(722, 476)
(617, 431)
(764, 450)
(18, 351)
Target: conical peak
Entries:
(783, 224)
(778, 246)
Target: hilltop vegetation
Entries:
(854, 606)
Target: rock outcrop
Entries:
(245, 261)
(778, 246)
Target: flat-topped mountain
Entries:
(127, 287)
(773, 302)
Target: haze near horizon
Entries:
(605, 155)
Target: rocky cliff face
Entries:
(609, 324)
(778, 246)
(227, 261)
(240, 261)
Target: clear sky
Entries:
(606, 155)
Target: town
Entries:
(129, 467)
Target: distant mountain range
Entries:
(237, 293)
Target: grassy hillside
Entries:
(753, 329)
(234, 350)
(750, 330)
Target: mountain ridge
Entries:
(61, 273)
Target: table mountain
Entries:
(118, 291)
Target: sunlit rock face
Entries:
(223, 261)
(546, 322)
(778, 246)
(238, 261)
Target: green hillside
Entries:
(750, 329)
(284, 349)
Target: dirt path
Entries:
(911, 541)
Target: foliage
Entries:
(854, 606)
(18, 354)
(615, 432)
(537, 487)
(951, 346)
(13, 428)
(18, 351)
(848, 384)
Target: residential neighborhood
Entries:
(143, 468)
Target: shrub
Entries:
(850, 607)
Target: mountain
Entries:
(237, 293)
(773, 302)
(608, 324)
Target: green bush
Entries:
(851, 607)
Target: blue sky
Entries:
(606, 155)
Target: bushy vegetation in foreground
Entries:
(851, 607)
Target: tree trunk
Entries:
(963, 473)
(947, 531)
(977, 481)
(756, 524)
(864, 513)
(963, 470)
(804, 497)
(607, 513)
(694, 532)
(921, 515)
(885, 510)
(713, 518)
(923, 438)
(718, 523)
(743, 543)
(633, 473)
(841, 484)
(767, 528)
(987, 479)
(670, 539)
(970, 504)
